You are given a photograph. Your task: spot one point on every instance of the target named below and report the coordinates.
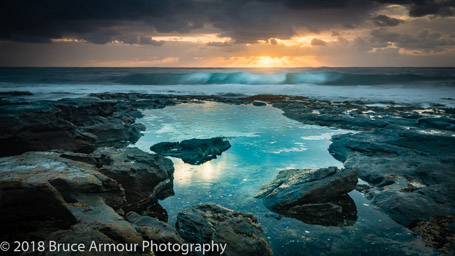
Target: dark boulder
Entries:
(145, 177)
(306, 186)
(208, 222)
(139, 172)
(193, 151)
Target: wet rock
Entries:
(25, 127)
(193, 151)
(115, 133)
(78, 157)
(259, 103)
(437, 232)
(334, 116)
(362, 187)
(154, 229)
(66, 176)
(139, 172)
(443, 123)
(139, 100)
(297, 187)
(110, 122)
(267, 97)
(93, 213)
(49, 193)
(410, 173)
(145, 177)
(77, 125)
(16, 93)
(208, 222)
(31, 212)
(406, 204)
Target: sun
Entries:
(270, 62)
(261, 62)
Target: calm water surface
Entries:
(263, 143)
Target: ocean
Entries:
(425, 86)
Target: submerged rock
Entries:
(437, 232)
(208, 222)
(297, 187)
(193, 151)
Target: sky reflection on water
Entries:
(264, 142)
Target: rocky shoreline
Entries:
(404, 153)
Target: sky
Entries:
(227, 33)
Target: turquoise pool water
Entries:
(264, 142)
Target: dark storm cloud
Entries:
(424, 40)
(419, 8)
(135, 21)
(386, 21)
(313, 4)
(249, 21)
(97, 21)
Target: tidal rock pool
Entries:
(263, 143)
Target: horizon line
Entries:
(198, 67)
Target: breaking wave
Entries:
(192, 76)
(326, 78)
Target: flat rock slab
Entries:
(193, 151)
(207, 222)
(410, 173)
(306, 186)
